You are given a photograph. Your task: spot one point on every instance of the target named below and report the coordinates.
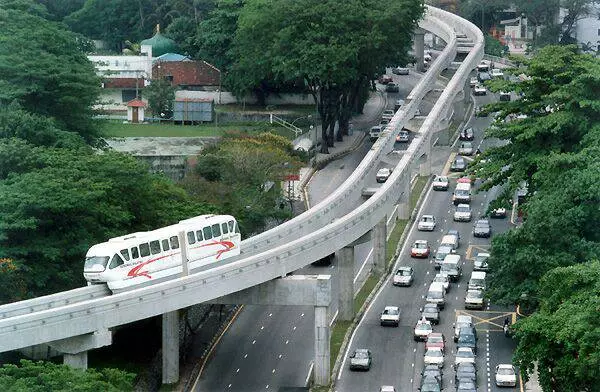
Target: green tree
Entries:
(494, 47)
(43, 68)
(46, 376)
(160, 95)
(563, 337)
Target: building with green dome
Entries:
(160, 44)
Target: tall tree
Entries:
(43, 68)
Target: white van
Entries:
(477, 281)
(462, 193)
(437, 294)
(450, 240)
(452, 267)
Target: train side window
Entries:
(135, 253)
(165, 245)
(191, 237)
(224, 228)
(144, 250)
(207, 233)
(199, 235)
(174, 242)
(115, 262)
(216, 229)
(231, 225)
(125, 254)
(155, 247)
(237, 228)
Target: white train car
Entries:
(147, 257)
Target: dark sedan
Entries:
(482, 228)
(430, 384)
(466, 385)
(458, 165)
(467, 134)
(467, 371)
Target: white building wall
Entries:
(588, 29)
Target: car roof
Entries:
(420, 241)
(463, 349)
(361, 350)
(505, 366)
(464, 317)
(436, 334)
(463, 205)
(392, 308)
(427, 216)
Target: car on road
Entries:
(383, 174)
(383, 123)
(387, 388)
(422, 330)
(402, 137)
(427, 57)
(430, 384)
(385, 79)
(497, 73)
(467, 134)
(455, 234)
(483, 66)
(400, 71)
(375, 132)
(473, 81)
(480, 90)
(504, 96)
(466, 385)
(404, 276)
(436, 294)
(474, 300)
(462, 321)
(467, 337)
(443, 279)
(440, 183)
(498, 213)
(388, 113)
(506, 376)
(462, 213)
(430, 312)
(483, 76)
(466, 148)
(360, 359)
(434, 356)
(436, 339)
(426, 223)
(390, 316)
(458, 164)
(440, 255)
(465, 370)
(420, 248)
(481, 262)
(399, 103)
(452, 266)
(482, 228)
(392, 88)
(464, 354)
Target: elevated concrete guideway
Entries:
(315, 234)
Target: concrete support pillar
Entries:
(77, 361)
(321, 346)
(404, 203)
(345, 257)
(419, 49)
(379, 246)
(425, 165)
(170, 347)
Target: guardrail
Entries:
(290, 246)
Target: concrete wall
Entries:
(225, 98)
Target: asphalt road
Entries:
(269, 347)
(397, 358)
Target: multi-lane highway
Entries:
(268, 347)
(397, 358)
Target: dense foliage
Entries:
(46, 376)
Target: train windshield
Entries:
(95, 263)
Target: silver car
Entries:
(481, 263)
(462, 213)
(466, 148)
(404, 276)
(426, 223)
(360, 359)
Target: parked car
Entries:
(465, 370)
(481, 262)
(504, 95)
(387, 388)
(506, 376)
(466, 148)
(402, 137)
(459, 164)
(462, 320)
(436, 339)
(360, 359)
(482, 228)
(390, 316)
(426, 223)
(483, 66)
(435, 372)
(404, 276)
(392, 88)
(473, 81)
(400, 71)
(440, 183)
(434, 356)
(430, 384)
(474, 300)
(431, 312)
(480, 90)
(467, 337)
(466, 385)
(385, 79)
(420, 248)
(462, 213)
(464, 354)
(483, 76)
(383, 174)
(388, 113)
(422, 330)
(498, 213)
(443, 279)
(497, 73)
(467, 134)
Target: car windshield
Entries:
(466, 385)
(434, 295)
(95, 263)
(466, 367)
(391, 312)
(435, 339)
(466, 338)
(463, 209)
(464, 354)
(505, 372)
(420, 245)
(434, 353)
(481, 258)
(475, 294)
(426, 218)
(361, 355)
(403, 272)
(440, 278)
(423, 327)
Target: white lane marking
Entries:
(280, 355)
(229, 386)
(238, 370)
(383, 286)
(293, 329)
(267, 387)
(302, 315)
(254, 341)
(270, 314)
(310, 368)
(362, 266)
(246, 356)
(333, 318)
(287, 341)
(273, 371)
(262, 327)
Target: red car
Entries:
(420, 248)
(385, 79)
(466, 180)
(435, 340)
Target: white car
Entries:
(466, 148)
(388, 114)
(404, 276)
(434, 356)
(426, 223)
(473, 81)
(480, 90)
(506, 376)
(443, 279)
(464, 354)
(387, 388)
(390, 316)
(462, 213)
(383, 174)
(480, 263)
(422, 330)
(474, 299)
(440, 183)
(496, 73)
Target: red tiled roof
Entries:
(187, 73)
(123, 83)
(136, 103)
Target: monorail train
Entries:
(147, 257)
